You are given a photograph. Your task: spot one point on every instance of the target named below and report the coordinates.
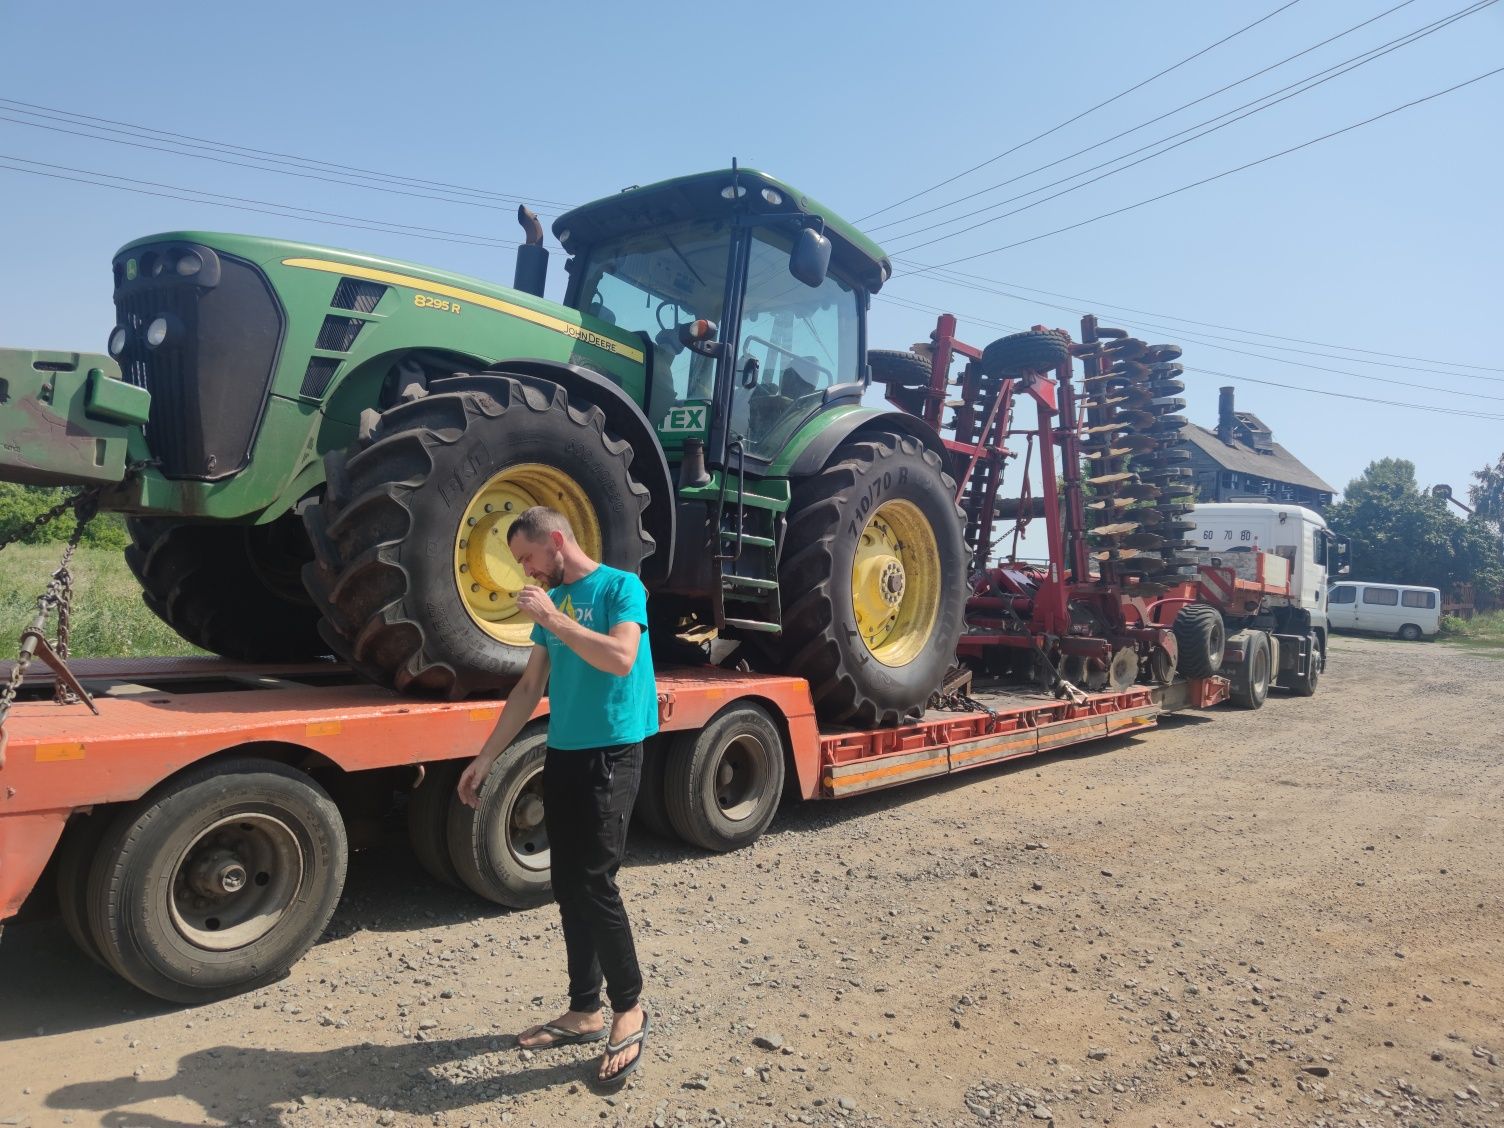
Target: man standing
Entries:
(591, 653)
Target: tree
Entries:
(1401, 534)
(1488, 494)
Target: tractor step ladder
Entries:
(749, 530)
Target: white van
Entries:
(1406, 612)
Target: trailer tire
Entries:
(651, 808)
(1201, 638)
(900, 369)
(500, 848)
(406, 599)
(1250, 681)
(76, 855)
(1034, 351)
(876, 531)
(428, 820)
(722, 783)
(250, 840)
(1304, 685)
(231, 589)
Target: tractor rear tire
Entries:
(874, 574)
(900, 369)
(1201, 638)
(1034, 351)
(233, 590)
(407, 599)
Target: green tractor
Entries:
(320, 451)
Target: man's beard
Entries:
(556, 577)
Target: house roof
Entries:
(1240, 458)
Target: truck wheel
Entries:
(428, 820)
(722, 783)
(1304, 685)
(218, 881)
(1250, 681)
(75, 858)
(1034, 351)
(412, 569)
(501, 848)
(1410, 633)
(230, 589)
(900, 369)
(1201, 639)
(651, 809)
(874, 570)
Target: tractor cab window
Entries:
(796, 341)
(652, 282)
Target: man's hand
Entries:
(473, 778)
(535, 604)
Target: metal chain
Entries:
(41, 520)
(960, 703)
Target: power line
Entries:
(1216, 176)
(1142, 124)
(1082, 114)
(377, 225)
(54, 113)
(1270, 100)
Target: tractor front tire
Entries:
(412, 569)
(233, 590)
(874, 571)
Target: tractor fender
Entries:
(626, 419)
(813, 458)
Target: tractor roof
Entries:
(698, 196)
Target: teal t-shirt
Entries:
(589, 708)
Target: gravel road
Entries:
(1292, 916)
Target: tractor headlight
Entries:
(156, 333)
(118, 338)
(189, 264)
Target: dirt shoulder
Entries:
(1291, 916)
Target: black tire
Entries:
(1250, 681)
(386, 531)
(651, 809)
(1304, 685)
(234, 590)
(900, 369)
(428, 820)
(270, 829)
(76, 854)
(1201, 638)
(830, 513)
(722, 783)
(1409, 633)
(500, 849)
(1034, 351)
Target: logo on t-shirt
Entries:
(585, 615)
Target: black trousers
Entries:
(587, 800)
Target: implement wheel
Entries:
(500, 849)
(722, 783)
(1201, 638)
(413, 573)
(218, 881)
(1038, 350)
(230, 589)
(874, 567)
(900, 369)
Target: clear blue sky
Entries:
(1387, 238)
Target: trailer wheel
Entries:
(1410, 633)
(1201, 639)
(723, 782)
(900, 369)
(651, 809)
(218, 881)
(500, 849)
(874, 576)
(1033, 351)
(230, 589)
(75, 858)
(428, 820)
(1250, 681)
(1304, 685)
(412, 570)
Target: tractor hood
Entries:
(708, 195)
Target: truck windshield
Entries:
(654, 281)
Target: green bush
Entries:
(20, 505)
(1452, 626)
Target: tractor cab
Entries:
(750, 297)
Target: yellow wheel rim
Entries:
(895, 583)
(485, 571)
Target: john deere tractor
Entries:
(321, 451)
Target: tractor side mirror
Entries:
(1343, 549)
(810, 258)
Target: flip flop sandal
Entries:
(638, 1039)
(562, 1037)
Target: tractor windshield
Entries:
(654, 281)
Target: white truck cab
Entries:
(1291, 531)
